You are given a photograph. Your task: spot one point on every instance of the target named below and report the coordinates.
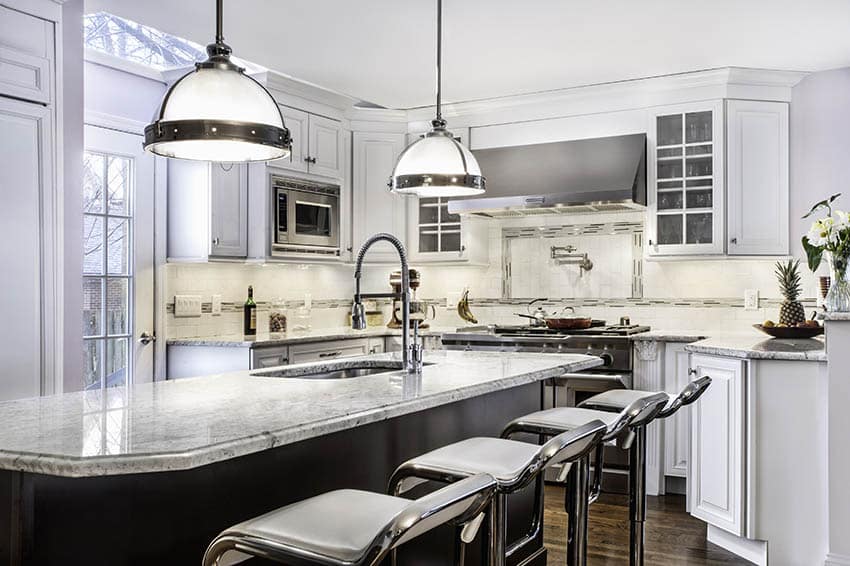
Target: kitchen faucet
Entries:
(412, 353)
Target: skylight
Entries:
(139, 43)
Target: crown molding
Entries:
(292, 88)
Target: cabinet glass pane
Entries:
(670, 200)
(451, 241)
(670, 229)
(699, 199)
(428, 240)
(698, 127)
(669, 129)
(698, 150)
(698, 228)
(669, 169)
(670, 184)
(445, 217)
(670, 152)
(428, 214)
(699, 183)
(698, 166)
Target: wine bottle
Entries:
(249, 314)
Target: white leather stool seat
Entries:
(503, 459)
(568, 418)
(619, 399)
(339, 524)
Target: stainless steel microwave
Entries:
(306, 216)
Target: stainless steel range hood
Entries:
(591, 175)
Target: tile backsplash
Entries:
(680, 294)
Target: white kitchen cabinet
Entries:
(207, 211)
(26, 56)
(716, 486)
(685, 192)
(316, 144)
(26, 240)
(677, 428)
(375, 208)
(269, 356)
(757, 177)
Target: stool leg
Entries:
(498, 530)
(637, 496)
(576, 507)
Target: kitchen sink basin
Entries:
(341, 370)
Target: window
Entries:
(107, 269)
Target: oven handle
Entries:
(617, 377)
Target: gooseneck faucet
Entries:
(411, 352)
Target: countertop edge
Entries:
(750, 354)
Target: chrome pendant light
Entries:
(218, 113)
(437, 165)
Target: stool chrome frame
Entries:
(460, 503)
(627, 429)
(566, 448)
(611, 401)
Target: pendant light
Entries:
(437, 165)
(218, 113)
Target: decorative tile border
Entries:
(566, 230)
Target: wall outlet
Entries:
(187, 305)
(216, 305)
(751, 299)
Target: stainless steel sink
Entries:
(340, 370)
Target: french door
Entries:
(118, 260)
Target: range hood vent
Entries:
(583, 176)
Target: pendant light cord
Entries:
(219, 21)
(439, 57)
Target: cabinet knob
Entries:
(309, 159)
(215, 241)
(733, 241)
(692, 371)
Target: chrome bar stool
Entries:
(351, 527)
(624, 427)
(514, 465)
(615, 400)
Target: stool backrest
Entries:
(639, 413)
(457, 503)
(688, 395)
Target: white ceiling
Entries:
(382, 51)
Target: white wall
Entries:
(117, 93)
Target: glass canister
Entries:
(277, 316)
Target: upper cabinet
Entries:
(685, 178)
(375, 208)
(718, 179)
(316, 144)
(757, 177)
(207, 211)
(26, 56)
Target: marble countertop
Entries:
(834, 316)
(670, 336)
(186, 423)
(295, 337)
(760, 347)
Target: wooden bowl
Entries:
(791, 331)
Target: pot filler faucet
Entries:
(411, 353)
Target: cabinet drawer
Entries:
(323, 351)
(269, 357)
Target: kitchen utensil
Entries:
(568, 323)
(790, 331)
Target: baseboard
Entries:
(753, 550)
(833, 559)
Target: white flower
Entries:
(822, 233)
(843, 220)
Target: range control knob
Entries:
(607, 359)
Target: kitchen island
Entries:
(153, 472)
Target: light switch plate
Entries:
(216, 305)
(751, 299)
(187, 305)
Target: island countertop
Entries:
(187, 423)
(296, 337)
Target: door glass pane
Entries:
(118, 184)
(699, 199)
(669, 129)
(116, 362)
(93, 245)
(118, 246)
(93, 186)
(670, 200)
(92, 364)
(92, 306)
(117, 303)
(698, 127)
(698, 228)
(670, 229)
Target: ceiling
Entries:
(382, 51)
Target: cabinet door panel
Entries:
(228, 210)
(324, 146)
(757, 138)
(26, 52)
(297, 123)
(716, 486)
(677, 428)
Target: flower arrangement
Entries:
(830, 236)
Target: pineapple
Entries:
(791, 311)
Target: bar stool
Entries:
(514, 465)
(351, 527)
(615, 400)
(625, 428)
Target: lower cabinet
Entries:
(325, 351)
(716, 479)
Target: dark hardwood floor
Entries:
(673, 537)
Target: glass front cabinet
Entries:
(685, 180)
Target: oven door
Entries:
(312, 219)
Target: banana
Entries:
(463, 308)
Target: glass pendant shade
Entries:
(437, 165)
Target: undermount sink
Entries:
(340, 370)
